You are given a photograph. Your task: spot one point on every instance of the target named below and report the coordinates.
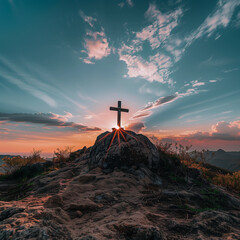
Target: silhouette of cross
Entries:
(119, 110)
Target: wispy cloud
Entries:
(220, 17)
(30, 89)
(211, 62)
(230, 70)
(196, 83)
(48, 119)
(87, 98)
(161, 27)
(145, 111)
(127, 2)
(160, 101)
(36, 86)
(88, 19)
(141, 114)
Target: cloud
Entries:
(4, 131)
(159, 36)
(151, 70)
(87, 19)
(141, 114)
(220, 17)
(136, 127)
(128, 2)
(210, 62)
(87, 61)
(196, 83)
(225, 131)
(156, 67)
(48, 119)
(164, 100)
(39, 87)
(161, 27)
(97, 46)
(95, 43)
(230, 70)
(160, 101)
(25, 86)
(31, 90)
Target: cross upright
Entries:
(119, 109)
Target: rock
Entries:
(87, 178)
(136, 232)
(54, 202)
(131, 150)
(52, 187)
(7, 213)
(78, 153)
(85, 206)
(89, 237)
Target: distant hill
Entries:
(222, 159)
(2, 156)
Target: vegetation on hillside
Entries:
(215, 175)
(12, 164)
(14, 167)
(23, 168)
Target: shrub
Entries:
(62, 155)
(13, 164)
(230, 180)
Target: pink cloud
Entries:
(136, 126)
(156, 69)
(97, 49)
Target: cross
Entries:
(119, 110)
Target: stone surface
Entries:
(115, 149)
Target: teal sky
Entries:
(174, 64)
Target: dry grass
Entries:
(197, 159)
(12, 164)
(62, 155)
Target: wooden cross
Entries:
(119, 110)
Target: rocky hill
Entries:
(122, 187)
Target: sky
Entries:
(173, 64)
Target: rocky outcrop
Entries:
(123, 149)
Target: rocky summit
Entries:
(121, 148)
(122, 187)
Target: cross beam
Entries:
(119, 109)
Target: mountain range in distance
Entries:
(222, 159)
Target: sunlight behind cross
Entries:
(119, 109)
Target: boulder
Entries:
(123, 149)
